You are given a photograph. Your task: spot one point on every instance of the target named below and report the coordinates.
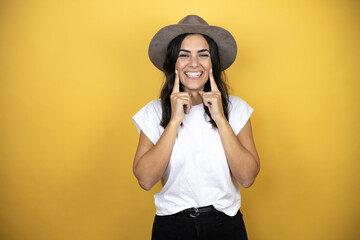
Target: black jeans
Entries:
(212, 225)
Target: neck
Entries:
(196, 99)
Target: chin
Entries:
(193, 87)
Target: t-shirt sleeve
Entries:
(148, 120)
(239, 113)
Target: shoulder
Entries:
(156, 102)
(235, 99)
(152, 109)
(239, 113)
(148, 120)
(154, 105)
(236, 103)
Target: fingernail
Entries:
(210, 69)
(176, 72)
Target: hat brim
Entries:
(224, 40)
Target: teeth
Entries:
(193, 74)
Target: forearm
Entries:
(243, 164)
(151, 165)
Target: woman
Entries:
(196, 138)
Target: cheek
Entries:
(207, 64)
(177, 64)
(180, 64)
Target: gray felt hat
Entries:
(192, 24)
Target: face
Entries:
(194, 62)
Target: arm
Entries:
(240, 150)
(151, 160)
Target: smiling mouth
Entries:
(193, 74)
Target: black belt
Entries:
(194, 212)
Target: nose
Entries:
(194, 61)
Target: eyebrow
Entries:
(200, 51)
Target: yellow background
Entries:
(72, 73)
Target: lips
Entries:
(193, 74)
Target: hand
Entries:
(180, 102)
(212, 100)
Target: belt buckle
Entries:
(196, 212)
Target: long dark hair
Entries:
(169, 70)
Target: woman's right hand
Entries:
(180, 102)
(151, 160)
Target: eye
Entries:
(183, 55)
(204, 55)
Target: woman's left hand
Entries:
(212, 100)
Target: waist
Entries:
(195, 212)
(169, 201)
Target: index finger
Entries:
(176, 87)
(213, 85)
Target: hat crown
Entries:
(193, 20)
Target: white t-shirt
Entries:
(198, 174)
